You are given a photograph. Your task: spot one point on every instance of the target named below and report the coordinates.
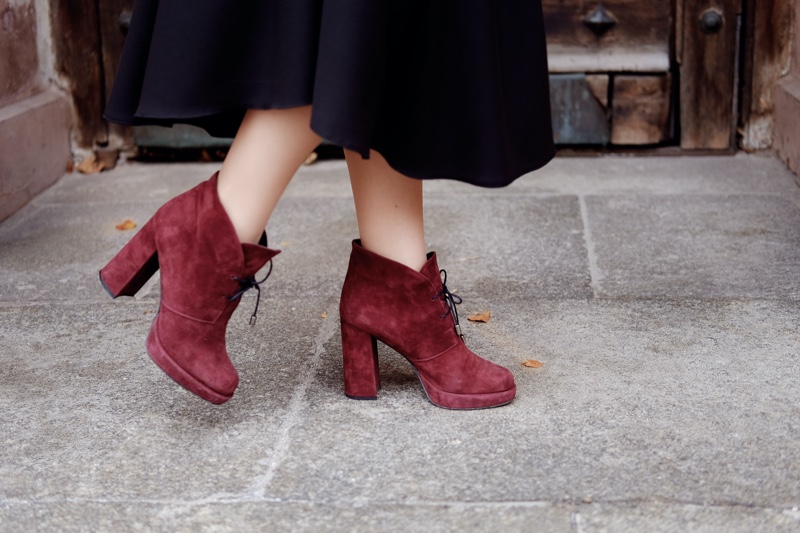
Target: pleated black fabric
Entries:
(441, 88)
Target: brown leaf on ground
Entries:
(108, 157)
(311, 159)
(480, 317)
(531, 363)
(70, 166)
(324, 315)
(126, 225)
(91, 165)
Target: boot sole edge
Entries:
(490, 399)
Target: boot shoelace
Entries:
(251, 283)
(451, 300)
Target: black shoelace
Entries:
(451, 300)
(251, 283)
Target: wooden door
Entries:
(656, 72)
(611, 67)
(708, 51)
(624, 73)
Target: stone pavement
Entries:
(662, 296)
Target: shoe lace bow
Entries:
(451, 301)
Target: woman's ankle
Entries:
(411, 254)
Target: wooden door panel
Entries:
(635, 38)
(113, 16)
(580, 103)
(641, 109)
(708, 73)
(637, 22)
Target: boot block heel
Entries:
(136, 263)
(360, 354)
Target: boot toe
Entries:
(189, 356)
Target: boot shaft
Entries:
(206, 261)
(398, 304)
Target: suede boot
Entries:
(414, 314)
(204, 272)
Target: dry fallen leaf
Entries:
(324, 315)
(531, 363)
(108, 157)
(126, 225)
(90, 165)
(312, 157)
(480, 317)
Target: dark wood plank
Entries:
(112, 31)
(77, 58)
(638, 22)
(641, 109)
(767, 56)
(707, 76)
(19, 64)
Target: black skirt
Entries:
(441, 88)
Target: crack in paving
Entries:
(296, 405)
(591, 254)
(573, 506)
(577, 522)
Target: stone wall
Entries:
(34, 118)
(787, 107)
(19, 61)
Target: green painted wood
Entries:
(579, 117)
(179, 136)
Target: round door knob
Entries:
(711, 21)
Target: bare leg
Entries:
(269, 148)
(389, 210)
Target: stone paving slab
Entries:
(643, 417)
(368, 517)
(87, 415)
(158, 182)
(680, 401)
(699, 246)
(664, 518)
(128, 183)
(314, 236)
(742, 174)
(478, 241)
(278, 517)
(52, 253)
(511, 247)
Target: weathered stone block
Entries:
(34, 148)
(787, 122)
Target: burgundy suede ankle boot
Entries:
(204, 272)
(414, 314)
